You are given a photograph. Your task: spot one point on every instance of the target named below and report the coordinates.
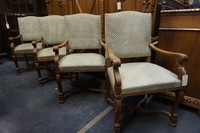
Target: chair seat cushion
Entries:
(82, 61)
(143, 77)
(48, 54)
(26, 47)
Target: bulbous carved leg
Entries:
(14, 57)
(26, 60)
(117, 115)
(178, 99)
(37, 66)
(60, 90)
(107, 86)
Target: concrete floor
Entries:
(27, 108)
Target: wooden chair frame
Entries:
(14, 54)
(46, 62)
(61, 93)
(117, 92)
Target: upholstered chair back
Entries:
(83, 31)
(53, 29)
(128, 33)
(29, 28)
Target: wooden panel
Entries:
(187, 42)
(182, 36)
(57, 7)
(178, 19)
(100, 7)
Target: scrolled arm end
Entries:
(11, 38)
(102, 43)
(116, 62)
(55, 49)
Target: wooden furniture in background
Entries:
(180, 32)
(99, 7)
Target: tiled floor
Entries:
(27, 108)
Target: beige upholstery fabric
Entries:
(83, 31)
(82, 61)
(48, 54)
(128, 33)
(53, 29)
(29, 28)
(142, 77)
(26, 47)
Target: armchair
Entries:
(128, 35)
(53, 34)
(29, 31)
(83, 33)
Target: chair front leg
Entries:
(60, 90)
(107, 87)
(26, 60)
(37, 66)
(14, 57)
(178, 99)
(117, 104)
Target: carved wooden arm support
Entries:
(11, 39)
(56, 50)
(116, 63)
(102, 43)
(34, 43)
(179, 56)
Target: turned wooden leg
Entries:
(60, 90)
(37, 66)
(178, 99)
(107, 87)
(117, 115)
(16, 64)
(47, 68)
(26, 60)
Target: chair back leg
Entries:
(174, 116)
(118, 104)
(14, 57)
(60, 90)
(37, 66)
(26, 60)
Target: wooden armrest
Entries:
(102, 43)
(56, 50)
(13, 38)
(36, 41)
(57, 47)
(116, 62)
(181, 57)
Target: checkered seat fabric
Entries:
(83, 32)
(144, 77)
(82, 61)
(48, 54)
(26, 47)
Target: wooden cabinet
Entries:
(180, 32)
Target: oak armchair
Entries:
(128, 35)
(29, 31)
(53, 33)
(83, 33)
